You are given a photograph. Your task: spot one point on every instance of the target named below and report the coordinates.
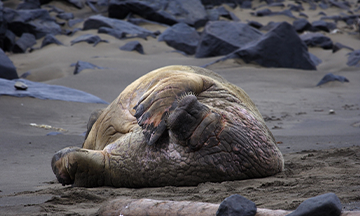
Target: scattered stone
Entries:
(82, 65)
(54, 133)
(280, 47)
(303, 15)
(246, 4)
(331, 112)
(65, 16)
(192, 12)
(26, 74)
(354, 58)
(46, 91)
(302, 25)
(331, 77)
(89, 38)
(25, 42)
(269, 26)
(268, 12)
(324, 26)
(181, 37)
(73, 22)
(37, 22)
(79, 4)
(29, 4)
(133, 45)
(337, 46)
(117, 28)
(317, 40)
(50, 39)
(139, 21)
(20, 86)
(296, 8)
(255, 24)
(7, 68)
(343, 5)
(236, 205)
(322, 205)
(224, 37)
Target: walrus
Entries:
(174, 126)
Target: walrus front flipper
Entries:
(192, 123)
(160, 100)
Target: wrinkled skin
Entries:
(177, 125)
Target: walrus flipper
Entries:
(160, 100)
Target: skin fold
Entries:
(175, 126)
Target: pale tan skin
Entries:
(177, 125)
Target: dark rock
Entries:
(79, 4)
(296, 8)
(133, 45)
(29, 4)
(255, 24)
(26, 74)
(65, 16)
(37, 22)
(73, 22)
(336, 18)
(354, 58)
(246, 5)
(25, 42)
(139, 21)
(317, 40)
(303, 15)
(322, 205)
(46, 91)
(302, 25)
(276, 4)
(54, 9)
(117, 28)
(222, 12)
(20, 86)
(9, 40)
(342, 5)
(181, 37)
(324, 26)
(7, 68)
(192, 12)
(223, 37)
(50, 39)
(328, 78)
(92, 6)
(89, 38)
(281, 47)
(337, 46)
(323, 5)
(236, 205)
(54, 133)
(82, 65)
(263, 12)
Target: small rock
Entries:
(50, 39)
(65, 16)
(236, 205)
(82, 65)
(25, 42)
(322, 205)
(317, 40)
(20, 86)
(354, 58)
(331, 112)
(89, 38)
(331, 77)
(133, 45)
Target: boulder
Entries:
(321, 25)
(7, 68)
(317, 40)
(224, 37)
(89, 38)
(181, 37)
(25, 42)
(117, 28)
(281, 47)
(236, 205)
(331, 77)
(37, 22)
(133, 45)
(46, 91)
(192, 12)
(322, 205)
(65, 16)
(9, 40)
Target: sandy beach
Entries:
(316, 128)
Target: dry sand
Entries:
(321, 150)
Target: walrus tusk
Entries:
(140, 207)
